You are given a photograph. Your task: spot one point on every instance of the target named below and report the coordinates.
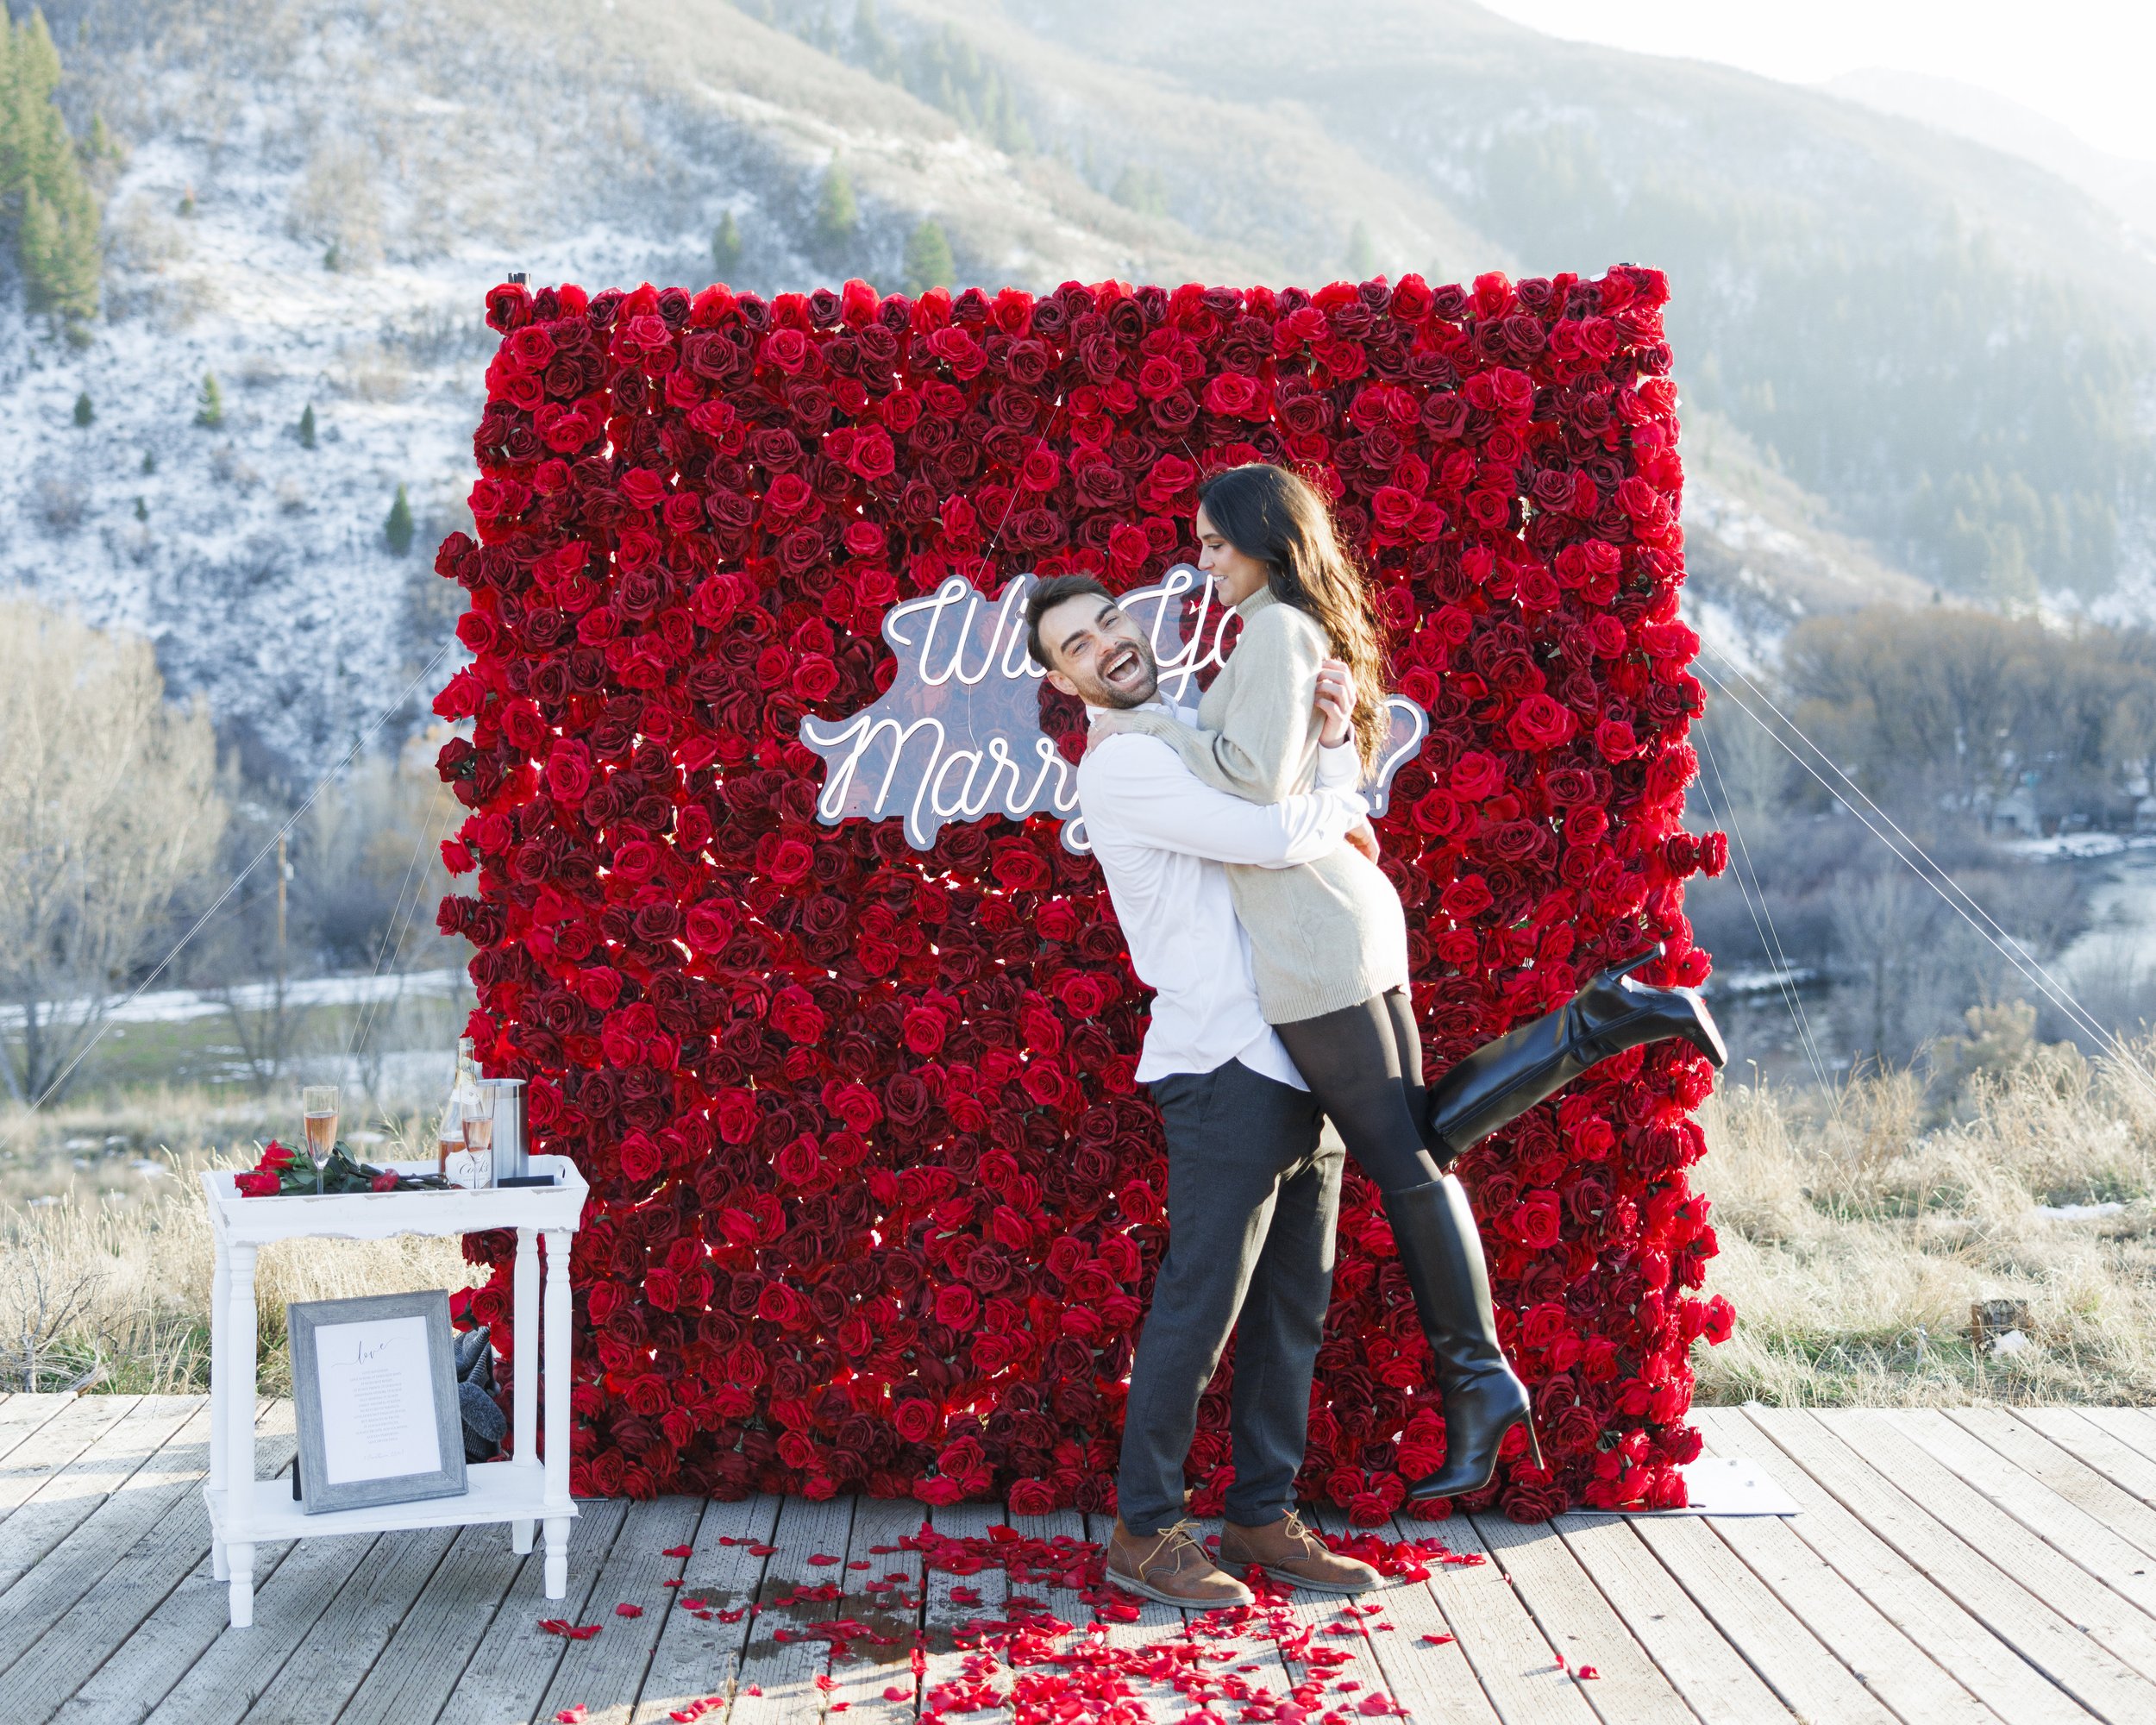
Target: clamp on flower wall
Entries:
(876, 1200)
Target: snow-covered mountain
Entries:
(315, 195)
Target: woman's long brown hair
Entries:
(1270, 514)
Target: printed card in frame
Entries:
(375, 1389)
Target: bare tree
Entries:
(108, 807)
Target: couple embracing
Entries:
(1238, 855)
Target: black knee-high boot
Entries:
(1433, 1226)
(1502, 1080)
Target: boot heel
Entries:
(1534, 1443)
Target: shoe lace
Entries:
(1179, 1541)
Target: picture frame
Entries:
(375, 1393)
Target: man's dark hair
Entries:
(1045, 598)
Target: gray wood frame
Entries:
(318, 1495)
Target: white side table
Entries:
(245, 1511)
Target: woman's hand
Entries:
(1336, 703)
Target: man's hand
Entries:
(1364, 839)
(1336, 703)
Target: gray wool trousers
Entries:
(1252, 1200)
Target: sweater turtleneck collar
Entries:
(1256, 602)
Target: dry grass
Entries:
(1856, 1230)
(101, 1218)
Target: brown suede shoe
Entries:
(1289, 1552)
(1172, 1567)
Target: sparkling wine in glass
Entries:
(318, 1106)
(479, 1151)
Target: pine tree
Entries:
(210, 412)
(397, 529)
(57, 241)
(1361, 256)
(726, 246)
(836, 213)
(307, 426)
(149, 460)
(83, 411)
(928, 258)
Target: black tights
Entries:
(1363, 1063)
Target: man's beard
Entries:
(1104, 694)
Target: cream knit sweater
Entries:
(1323, 935)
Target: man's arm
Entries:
(1138, 787)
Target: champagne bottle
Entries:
(466, 1101)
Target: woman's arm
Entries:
(1264, 734)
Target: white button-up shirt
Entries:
(1161, 834)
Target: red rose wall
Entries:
(876, 1202)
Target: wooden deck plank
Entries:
(419, 1669)
(1886, 1662)
(1713, 1677)
(516, 1659)
(1812, 1682)
(2095, 1447)
(2131, 1426)
(943, 1619)
(1950, 1639)
(1629, 1688)
(80, 1557)
(860, 1678)
(139, 1630)
(54, 1447)
(334, 1657)
(1988, 1589)
(2100, 1610)
(696, 1657)
(1331, 1625)
(604, 1674)
(1436, 1682)
(68, 1498)
(2080, 1512)
(1154, 1622)
(783, 1673)
(238, 1664)
(23, 1414)
(1513, 1660)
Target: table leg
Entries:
(524, 1381)
(557, 1445)
(239, 1412)
(220, 1373)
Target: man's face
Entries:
(1098, 654)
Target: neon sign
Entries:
(958, 734)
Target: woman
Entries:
(1329, 942)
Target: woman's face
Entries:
(1235, 575)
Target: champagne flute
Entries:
(318, 1106)
(478, 1147)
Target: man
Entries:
(1252, 1196)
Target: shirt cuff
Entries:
(1340, 768)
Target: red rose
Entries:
(1539, 722)
(924, 1030)
(256, 1184)
(916, 1421)
(640, 1157)
(955, 1307)
(795, 1014)
(1534, 1221)
(568, 772)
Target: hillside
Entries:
(313, 194)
